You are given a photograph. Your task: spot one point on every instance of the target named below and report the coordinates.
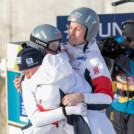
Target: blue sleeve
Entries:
(120, 39)
(132, 66)
(125, 64)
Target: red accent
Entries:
(60, 36)
(103, 84)
(96, 70)
(41, 101)
(44, 110)
(73, 18)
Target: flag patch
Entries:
(29, 61)
(96, 70)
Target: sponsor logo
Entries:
(44, 35)
(78, 14)
(88, 18)
(82, 58)
(55, 30)
(75, 16)
(41, 43)
(18, 60)
(23, 115)
(29, 61)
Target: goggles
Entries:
(54, 46)
(51, 46)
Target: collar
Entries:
(77, 51)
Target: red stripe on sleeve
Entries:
(103, 84)
(43, 110)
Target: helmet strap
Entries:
(85, 47)
(86, 33)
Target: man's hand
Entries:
(17, 83)
(73, 99)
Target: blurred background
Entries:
(19, 18)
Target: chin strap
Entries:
(85, 47)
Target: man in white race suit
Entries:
(43, 82)
(85, 57)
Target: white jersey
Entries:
(44, 87)
(92, 65)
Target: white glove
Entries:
(78, 109)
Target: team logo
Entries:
(18, 60)
(82, 58)
(29, 61)
(73, 18)
(96, 70)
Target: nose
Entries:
(132, 44)
(71, 31)
(28, 76)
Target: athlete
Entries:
(43, 84)
(45, 95)
(85, 57)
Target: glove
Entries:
(79, 109)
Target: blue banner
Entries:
(15, 107)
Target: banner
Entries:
(16, 112)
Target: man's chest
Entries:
(79, 65)
(48, 96)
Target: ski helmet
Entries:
(88, 18)
(43, 36)
(128, 29)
